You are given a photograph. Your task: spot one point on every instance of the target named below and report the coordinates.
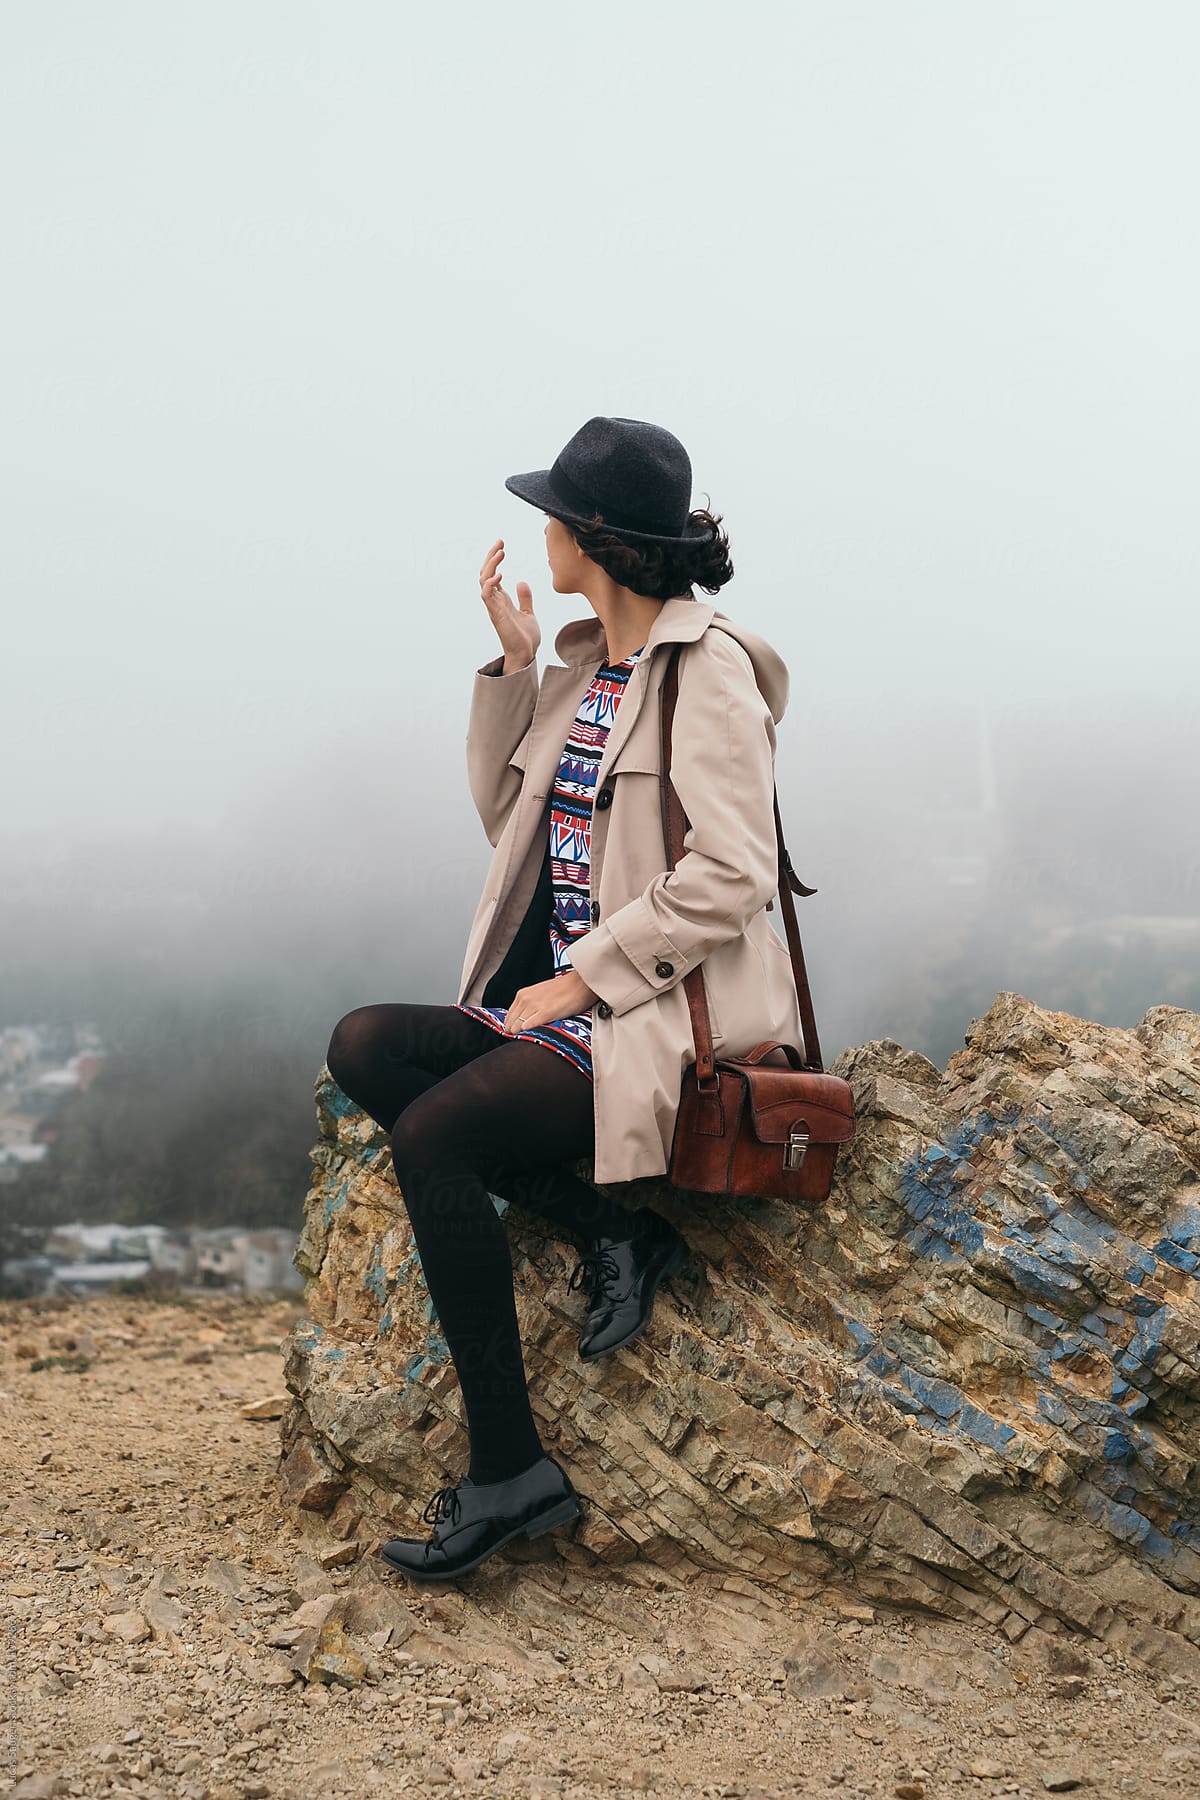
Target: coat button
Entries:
(664, 968)
(595, 910)
(604, 798)
(604, 1009)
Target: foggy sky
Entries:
(291, 289)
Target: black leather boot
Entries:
(472, 1519)
(624, 1276)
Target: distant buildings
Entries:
(250, 1262)
(14, 1157)
(19, 1045)
(102, 1243)
(87, 1259)
(89, 1277)
(39, 1065)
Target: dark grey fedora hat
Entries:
(638, 477)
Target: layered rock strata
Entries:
(967, 1383)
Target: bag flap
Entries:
(779, 1098)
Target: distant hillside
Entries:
(206, 1119)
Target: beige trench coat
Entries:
(650, 925)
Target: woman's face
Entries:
(565, 557)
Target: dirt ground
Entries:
(157, 1599)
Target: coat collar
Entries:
(681, 620)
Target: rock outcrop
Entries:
(967, 1384)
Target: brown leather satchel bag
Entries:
(746, 1126)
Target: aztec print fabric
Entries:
(570, 855)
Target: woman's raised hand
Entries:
(516, 627)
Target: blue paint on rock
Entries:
(862, 1337)
(1123, 1522)
(1052, 1408)
(941, 1397)
(1141, 1353)
(375, 1276)
(335, 1201)
(1184, 1260)
(983, 1428)
(1184, 1228)
(1036, 1276)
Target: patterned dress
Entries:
(570, 856)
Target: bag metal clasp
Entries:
(797, 1144)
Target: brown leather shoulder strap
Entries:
(675, 823)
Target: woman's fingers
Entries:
(491, 561)
(490, 579)
(513, 1013)
(503, 610)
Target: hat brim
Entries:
(536, 486)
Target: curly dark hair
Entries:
(660, 571)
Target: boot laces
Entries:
(599, 1267)
(444, 1504)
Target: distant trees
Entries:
(29, 1211)
(206, 1118)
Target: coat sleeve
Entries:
(723, 769)
(501, 713)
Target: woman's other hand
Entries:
(559, 998)
(516, 627)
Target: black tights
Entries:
(472, 1113)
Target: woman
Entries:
(571, 1028)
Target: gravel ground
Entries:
(169, 1629)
